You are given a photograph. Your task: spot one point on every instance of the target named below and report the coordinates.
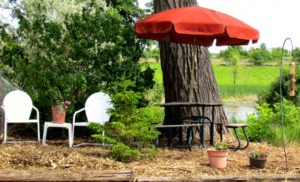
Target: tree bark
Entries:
(176, 63)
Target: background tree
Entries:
(232, 56)
(296, 54)
(70, 49)
(259, 55)
(176, 60)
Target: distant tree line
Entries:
(233, 54)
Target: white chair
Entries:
(17, 107)
(96, 107)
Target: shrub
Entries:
(130, 126)
(123, 153)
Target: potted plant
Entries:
(59, 111)
(258, 159)
(217, 156)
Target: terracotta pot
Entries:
(58, 115)
(217, 158)
(257, 163)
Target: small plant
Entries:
(221, 146)
(123, 153)
(258, 155)
(63, 105)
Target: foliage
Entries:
(272, 96)
(221, 146)
(123, 153)
(75, 53)
(258, 155)
(260, 125)
(266, 124)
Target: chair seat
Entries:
(24, 121)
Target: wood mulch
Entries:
(171, 162)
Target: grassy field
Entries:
(251, 80)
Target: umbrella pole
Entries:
(192, 81)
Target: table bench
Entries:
(180, 126)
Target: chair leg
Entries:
(4, 133)
(45, 134)
(73, 134)
(38, 131)
(70, 136)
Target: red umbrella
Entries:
(196, 25)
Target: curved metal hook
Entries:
(281, 98)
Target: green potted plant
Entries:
(258, 159)
(217, 156)
(59, 111)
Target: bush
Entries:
(266, 124)
(273, 96)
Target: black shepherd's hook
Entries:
(281, 99)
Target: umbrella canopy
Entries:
(196, 25)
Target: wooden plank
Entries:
(190, 104)
(66, 176)
(221, 179)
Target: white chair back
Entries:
(96, 107)
(18, 106)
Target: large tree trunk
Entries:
(176, 63)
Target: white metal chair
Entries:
(96, 107)
(17, 107)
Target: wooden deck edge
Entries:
(66, 175)
(123, 176)
(221, 179)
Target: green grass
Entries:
(251, 80)
(292, 134)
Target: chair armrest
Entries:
(37, 113)
(77, 112)
(3, 111)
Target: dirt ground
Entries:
(171, 162)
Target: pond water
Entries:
(238, 111)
